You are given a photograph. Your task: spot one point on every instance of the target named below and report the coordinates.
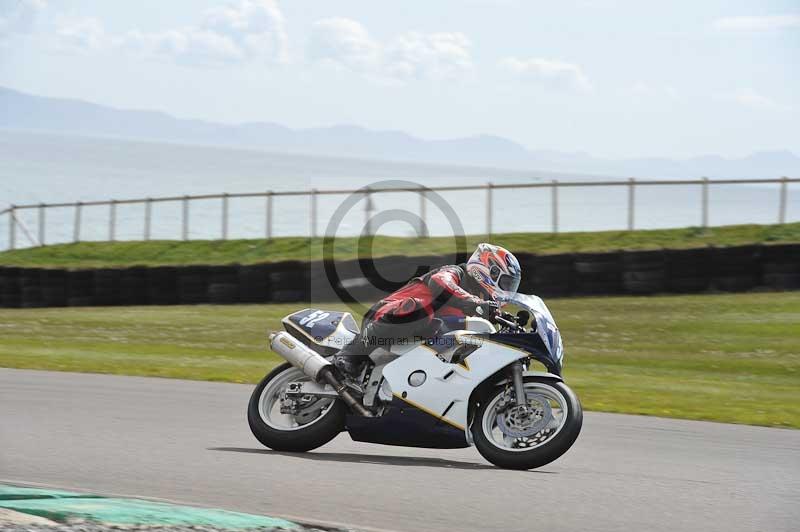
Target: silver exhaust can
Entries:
(298, 355)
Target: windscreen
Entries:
(546, 326)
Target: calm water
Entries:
(47, 168)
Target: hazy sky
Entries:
(612, 78)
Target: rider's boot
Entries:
(350, 360)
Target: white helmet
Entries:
(494, 268)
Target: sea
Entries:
(40, 168)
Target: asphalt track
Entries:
(189, 442)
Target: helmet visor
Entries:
(508, 283)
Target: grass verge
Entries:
(732, 358)
(169, 252)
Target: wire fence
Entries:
(30, 225)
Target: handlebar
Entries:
(500, 318)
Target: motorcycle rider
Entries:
(434, 303)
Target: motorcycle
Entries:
(470, 386)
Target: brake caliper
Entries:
(524, 421)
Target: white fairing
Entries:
(447, 383)
(478, 325)
(546, 326)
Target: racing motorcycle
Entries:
(470, 386)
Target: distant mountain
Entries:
(28, 112)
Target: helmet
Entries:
(494, 268)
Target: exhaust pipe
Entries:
(314, 365)
(298, 355)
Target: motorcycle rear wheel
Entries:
(283, 432)
(561, 419)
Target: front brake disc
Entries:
(525, 421)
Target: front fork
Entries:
(517, 369)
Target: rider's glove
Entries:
(487, 309)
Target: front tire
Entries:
(284, 432)
(560, 421)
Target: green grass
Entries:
(732, 358)
(169, 252)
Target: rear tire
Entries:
(293, 439)
(542, 454)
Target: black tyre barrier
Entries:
(782, 281)
(351, 283)
(107, 287)
(644, 287)
(780, 267)
(80, 288)
(644, 282)
(688, 285)
(289, 282)
(223, 274)
(527, 262)
(12, 300)
(30, 277)
(780, 252)
(289, 296)
(78, 301)
(320, 288)
(54, 288)
(31, 297)
(735, 260)
(365, 280)
(735, 283)
(162, 285)
(688, 262)
(289, 272)
(643, 276)
(552, 275)
(253, 283)
(597, 273)
(644, 272)
(639, 260)
(223, 293)
(688, 270)
(390, 273)
(30, 288)
(133, 286)
(598, 263)
(193, 284)
(736, 268)
(460, 258)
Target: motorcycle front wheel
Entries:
(514, 438)
(315, 425)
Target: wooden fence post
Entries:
(12, 232)
(368, 208)
(489, 201)
(185, 218)
(225, 216)
(631, 201)
(554, 205)
(314, 213)
(41, 224)
(782, 205)
(112, 221)
(268, 214)
(705, 203)
(423, 214)
(148, 215)
(76, 230)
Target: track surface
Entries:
(189, 442)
